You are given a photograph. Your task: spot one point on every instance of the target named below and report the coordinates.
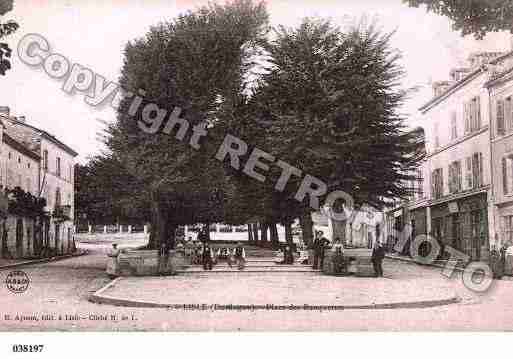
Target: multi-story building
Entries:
(500, 89)
(457, 206)
(50, 176)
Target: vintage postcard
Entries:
(254, 166)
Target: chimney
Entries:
(440, 87)
(5, 110)
(478, 59)
(458, 74)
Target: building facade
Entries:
(500, 89)
(458, 206)
(41, 165)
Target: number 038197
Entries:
(24, 348)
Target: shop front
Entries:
(463, 225)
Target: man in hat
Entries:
(239, 255)
(378, 254)
(320, 243)
(207, 257)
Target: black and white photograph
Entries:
(255, 166)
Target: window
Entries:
(437, 183)
(45, 160)
(505, 187)
(48, 195)
(468, 172)
(507, 175)
(9, 179)
(477, 170)
(420, 184)
(472, 113)
(508, 118)
(454, 126)
(57, 197)
(58, 166)
(9, 155)
(437, 135)
(476, 111)
(501, 129)
(507, 228)
(455, 177)
(28, 164)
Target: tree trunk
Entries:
(250, 233)
(288, 233)
(307, 228)
(162, 228)
(255, 232)
(208, 231)
(339, 229)
(263, 232)
(275, 240)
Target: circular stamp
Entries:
(17, 281)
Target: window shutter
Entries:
(500, 118)
(433, 178)
(468, 162)
(478, 112)
(505, 175)
(458, 169)
(467, 117)
(507, 118)
(479, 167)
(454, 128)
(471, 115)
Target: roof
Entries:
(500, 78)
(461, 83)
(20, 147)
(24, 133)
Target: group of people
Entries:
(321, 243)
(236, 256)
(201, 252)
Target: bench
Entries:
(145, 263)
(359, 262)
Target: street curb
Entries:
(97, 298)
(43, 260)
(409, 260)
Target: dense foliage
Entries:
(476, 17)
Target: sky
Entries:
(93, 33)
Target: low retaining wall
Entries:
(359, 262)
(146, 263)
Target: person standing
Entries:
(288, 256)
(203, 235)
(240, 256)
(319, 245)
(339, 263)
(378, 254)
(207, 257)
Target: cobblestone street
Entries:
(62, 288)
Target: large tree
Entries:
(6, 28)
(197, 62)
(331, 99)
(476, 17)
